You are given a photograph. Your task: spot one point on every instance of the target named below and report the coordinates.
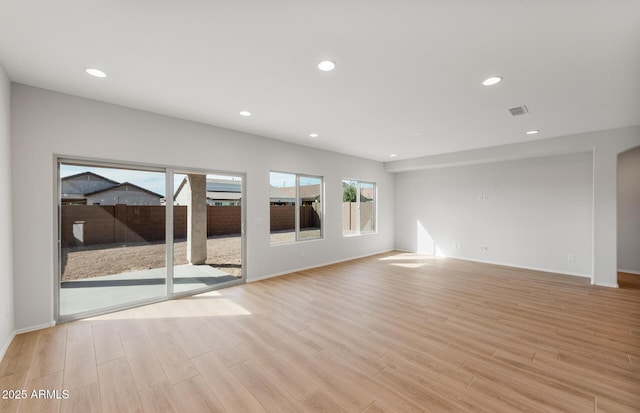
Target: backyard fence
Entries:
(283, 217)
(349, 216)
(85, 225)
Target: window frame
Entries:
(60, 159)
(297, 205)
(374, 213)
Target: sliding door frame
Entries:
(169, 172)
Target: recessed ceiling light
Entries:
(532, 132)
(245, 113)
(313, 135)
(393, 155)
(95, 72)
(327, 65)
(490, 81)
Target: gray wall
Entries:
(46, 123)
(629, 211)
(6, 248)
(530, 213)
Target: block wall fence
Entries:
(85, 225)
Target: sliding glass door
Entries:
(207, 216)
(113, 239)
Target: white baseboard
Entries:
(6, 345)
(574, 274)
(629, 271)
(35, 328)
(606, 285)
(264, 277)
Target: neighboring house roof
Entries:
(75, 185)
(307, 192)
(223, 189)
(95, 175)
(125, 184)
(219, 185)
(277, 195)
(367, 193)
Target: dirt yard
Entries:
(223, 252)
(86, 262)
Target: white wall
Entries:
(6, 248)
(528, 213)
(45, 123)
(629, 211)
(604, 145)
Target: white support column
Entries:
(605, 250)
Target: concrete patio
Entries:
(98, 293)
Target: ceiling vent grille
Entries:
(520, 110)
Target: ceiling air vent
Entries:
(520, 110)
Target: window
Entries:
(295, 204)
(358, 207)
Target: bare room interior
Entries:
(338, 207)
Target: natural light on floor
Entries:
(408, 264)
(211, 304)
(411, 260)
(407, 256)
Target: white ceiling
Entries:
(408, 79)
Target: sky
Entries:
(281, 180)
(153, 181)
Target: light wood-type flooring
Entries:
(391, 333)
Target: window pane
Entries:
(309, 199)
(207, 230)
(358, 207)
(112, 245)
(367, 207)
(282, 204)
(349, 207)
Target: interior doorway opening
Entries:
(628, 213)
